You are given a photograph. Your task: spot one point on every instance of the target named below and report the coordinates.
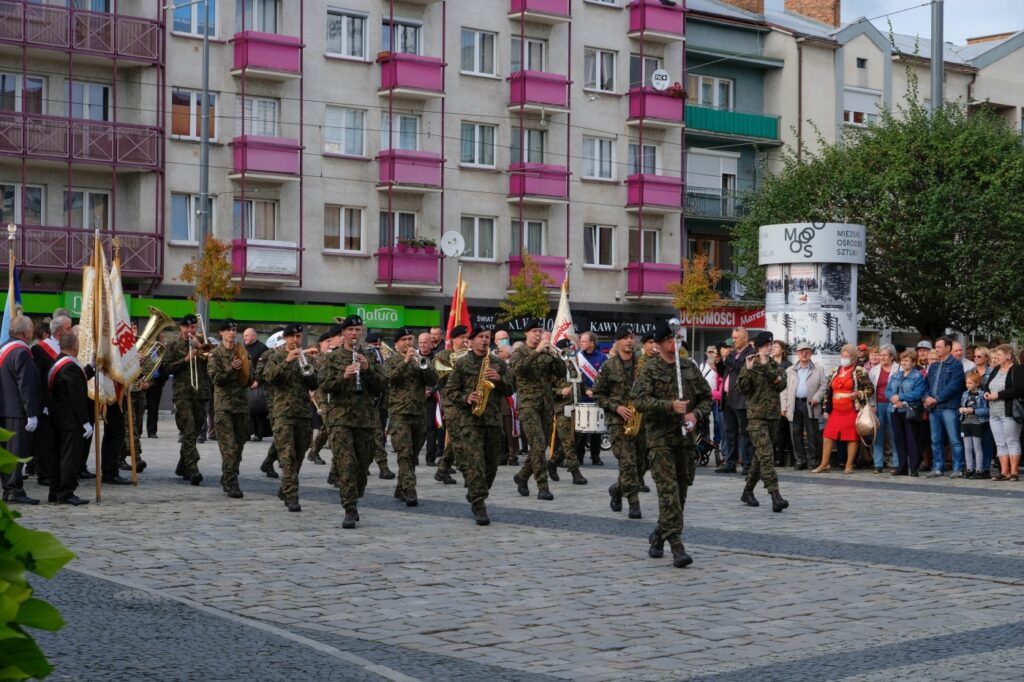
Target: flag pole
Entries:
(97, 315)
(128, 388)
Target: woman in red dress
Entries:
(849, 388)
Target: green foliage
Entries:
(939, 195)
(23, 549)
(529, 297)
(210, 275)
(695, 294)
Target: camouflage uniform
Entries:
(231, 420)
(451, 453)
(269, 392)
(189, 403)
(289, 415)
(612, 390)
(481, 439)
(351, 419)
(673, 456)
(535, 374)
(407, 385)
(761, 384)
(565, 428)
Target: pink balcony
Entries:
(552, 266)
(538, 90)
(35, 136)
(655, 193)
(47, 249)
(265, 260)
(411, 75)
(538, 183)
(404, 268)
(652, 279)
(654, 108)
(268, 55)
(272, 158)
(655, 21)
(48, 26)
(540, 11)
(409, 170)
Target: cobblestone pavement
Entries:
(864, 577)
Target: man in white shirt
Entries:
(707, 370)
(801, 405)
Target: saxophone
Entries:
(484, 386)
(632, 426)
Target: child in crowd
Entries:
(973, 418)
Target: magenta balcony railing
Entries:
(66, 139)
(651, 105)
(266, 155)
(654, 191)
(402, 71)
(538, 180)
(268, 52)
(400, 266)
(406, 167)
(652, 279)
(108, 35)
(41, 248)
(651, 16)
(552, 266)
(538, 88)
(265, 259)
(553, 9)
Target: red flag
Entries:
(459, 313)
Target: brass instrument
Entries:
(245, 371)
(359, 376)
(386, 351)
(484, 386)
(443, 369)
(632, 426)
(421, 361)
(306, 367)
(201, 349)
(148, 346)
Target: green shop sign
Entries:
(379, 316)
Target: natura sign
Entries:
(811, 243)
(379, 316)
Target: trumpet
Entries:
(306, 367)
(421, 361)
(359, 377)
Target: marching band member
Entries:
(535, 371)
(188, 366)
(231, 418)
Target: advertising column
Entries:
(811, 284)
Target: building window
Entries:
(21, 94)
(640, 70)
(90, 101)
(859, 118)
(709, 248)
(597, 158)
(477, 148)
(478, 52)
(708, 91)
(404, 221)
(479, 235)
(190, 18)
(598, 245)
(259, 15)
(344, 131)
(598, 70)
(19, 208)
(404, 134)
(254, 219)
(535, 53)
(535, 143)
(187, 114)
(343, 229)
(258, 116)
(862, 63)
(535, 238)
(644, 248)
(87, 209)
(185, 218)
(648, 165)
(407, 37)
(346, 34)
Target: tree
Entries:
(695, 294)
(529, 297)
(939, 196)
(210, 275)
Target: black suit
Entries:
(19, 401)
(70, 413)
(44, 451)
(259, 422)
(734, 403)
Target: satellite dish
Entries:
(660, 80)
(453, 244)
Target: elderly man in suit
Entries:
(801, 405)
(19, 403)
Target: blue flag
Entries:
(12, 304)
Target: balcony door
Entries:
(88, 101)
(641, 68)
(22, 208)
(535, 54)
(21, 93)
(87, 209)
(254, 219)
(257, 15)
(644, 246)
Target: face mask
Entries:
(845, 362)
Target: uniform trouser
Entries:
(565, 436)
(380, 453)
(189, 417)
(232, 435)
(138, 407)
(20, 444)
(71, 450)
(673, 465)
(738, 441)
(434, 434)
(804, 423)
(320, 441)
(625, 450)
(353, 449)
(210, 416)
(764, 434)
(45, 455)
(452, 455)
(292, 437)
(511, 440)
(484, 446)
(536, 423)
(112, 447)
(153, 394)
(407, 433)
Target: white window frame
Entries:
(258, 19)
(87, 195)
(193, 219)
(250, 106)
(635, 161)
(536, 141)
(86, 102)
(196, 15)
(645, 73)
(347, 17)
(403, 25)
(480, 145)
(19, 208)
(396, 223)
(249, 218)
(598, 233)
(195, 114)
(339, 147)
(526, 234)
(343, 225)
(595, 164)
(514, 52)
(19, 95)
(640, 245)
(479, 53)
(396, 132)
(850, 118)
(597, 54)
(473, 245)
(695, 92)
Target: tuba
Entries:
(444, 370)
(484, 386)
(632, 426)
(148, 346)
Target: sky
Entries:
(963, 18)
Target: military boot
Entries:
(657, 549)
(332, 478)
(234, 492)
(194, 477)
(552, 470)
(778, 504)
(351, 516)
(399, 493)
(748, 498)
(680, 559)
(616, 495)
(480, 514)
(386, 473)
(293, 504)
(140, 465)
(442, 476)
(644, 488)
(180, 469)
(267, 467)
(545, 495)
(634, 510)
(315, 458)
(523, 487)
(124, 464)
(577, 477)
(410, 498)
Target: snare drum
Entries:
(589, 419)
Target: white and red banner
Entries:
(563, 328)
(92, 348)
(726, 318)
(124, 360)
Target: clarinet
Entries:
(359, 376)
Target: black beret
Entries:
(763, 339)
(228, 324)
(402, 332)
(662, 332)
(352, 321)
(323, 337)
(459, 330)
(648, 336)
(623, 331)
(563, 343)
(292, 329)
(533, 323)
(188, 319)
(335, 329)
(476, 331)
(373, 337)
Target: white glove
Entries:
(88, 431)
(33, 422)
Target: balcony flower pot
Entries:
(429, 249)
(402, 247)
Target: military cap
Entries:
(227, 324)
(335, 329)
(476, 331)
(533, 323)
(402, 332)
(563, 343)
(662, 331)
(352, 321)
(763, 339)
(648, 336)
(292, 329)
(623, 331)
(373, 337)
(188, 319)
(459, 330)
(323, 337)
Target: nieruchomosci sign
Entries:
(811, 243)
